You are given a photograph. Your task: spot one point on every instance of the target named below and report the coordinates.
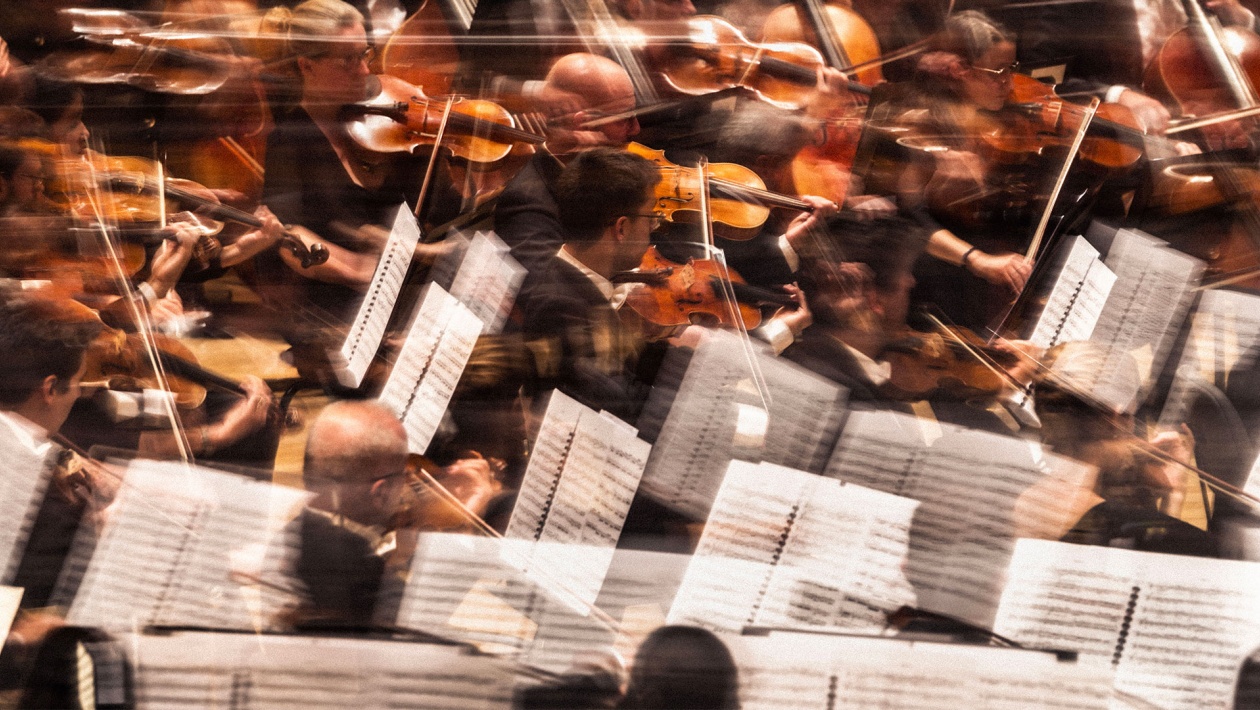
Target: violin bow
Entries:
(437, 144)
(144, 326)
(1034, 246)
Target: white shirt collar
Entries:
(614, 294)
(878, 372)
(27, 432)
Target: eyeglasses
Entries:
(1012, 68)
(348, 61)
(656, 219)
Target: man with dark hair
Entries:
(859, 302)
(860, 306)
(42, 343)
(605, 199)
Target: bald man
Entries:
(526, 217)
(356, 453)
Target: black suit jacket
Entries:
(586, 350)
(526, 217)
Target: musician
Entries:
(860, 307)
(42, 343)
(526, 216)
(355, 461)
(979, 212)
(1141, 495)
(605, 198)
(319, 181)
(1107, 45)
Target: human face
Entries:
(895, 301)
(27, 182)
(636, 232)
(338, 75)
(987, 82)
(69, 131)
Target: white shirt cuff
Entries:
(789, 254)
(1113, 93)
(777, 334)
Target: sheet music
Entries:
(168, 553)
(364, 337)
(791, 670)
(1175, 628)
(590, 504)
(439, 342)
(717, 415)
(487, 280)
(1077, 298)
(546, 463)
(473, 589)
(788, 548)
(1224, 337)
(1153, 289)
(24, 477)
(241, 671)
(977, 491)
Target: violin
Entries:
(1114, 141)
(716, 55)
(1207, 69)
(118, 361)
(955, 363)
(672, 295)
(201, 200)
(124, 50)
(741, 202)
(402, 118)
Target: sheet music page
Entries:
(1077, 298)
(169, 551)
(697, 440)
(1224, 336)
(210, 670)
(1149, 613)
(364, 337)
(841, 565)
(805, 414)
(488, 280)
(978, 492)
(24, 477)
(473, 589)
(590, 504)
(788, 548)
(546, 463)
(1153, 289)
(798, 670)
(718, 415)
(422, 381)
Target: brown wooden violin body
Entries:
(717, 56)
(925, 365)
(671, 295)
(402, 118)
(740, 202)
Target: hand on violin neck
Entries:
(797, 319)
(1151, 115)
(798, 230)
